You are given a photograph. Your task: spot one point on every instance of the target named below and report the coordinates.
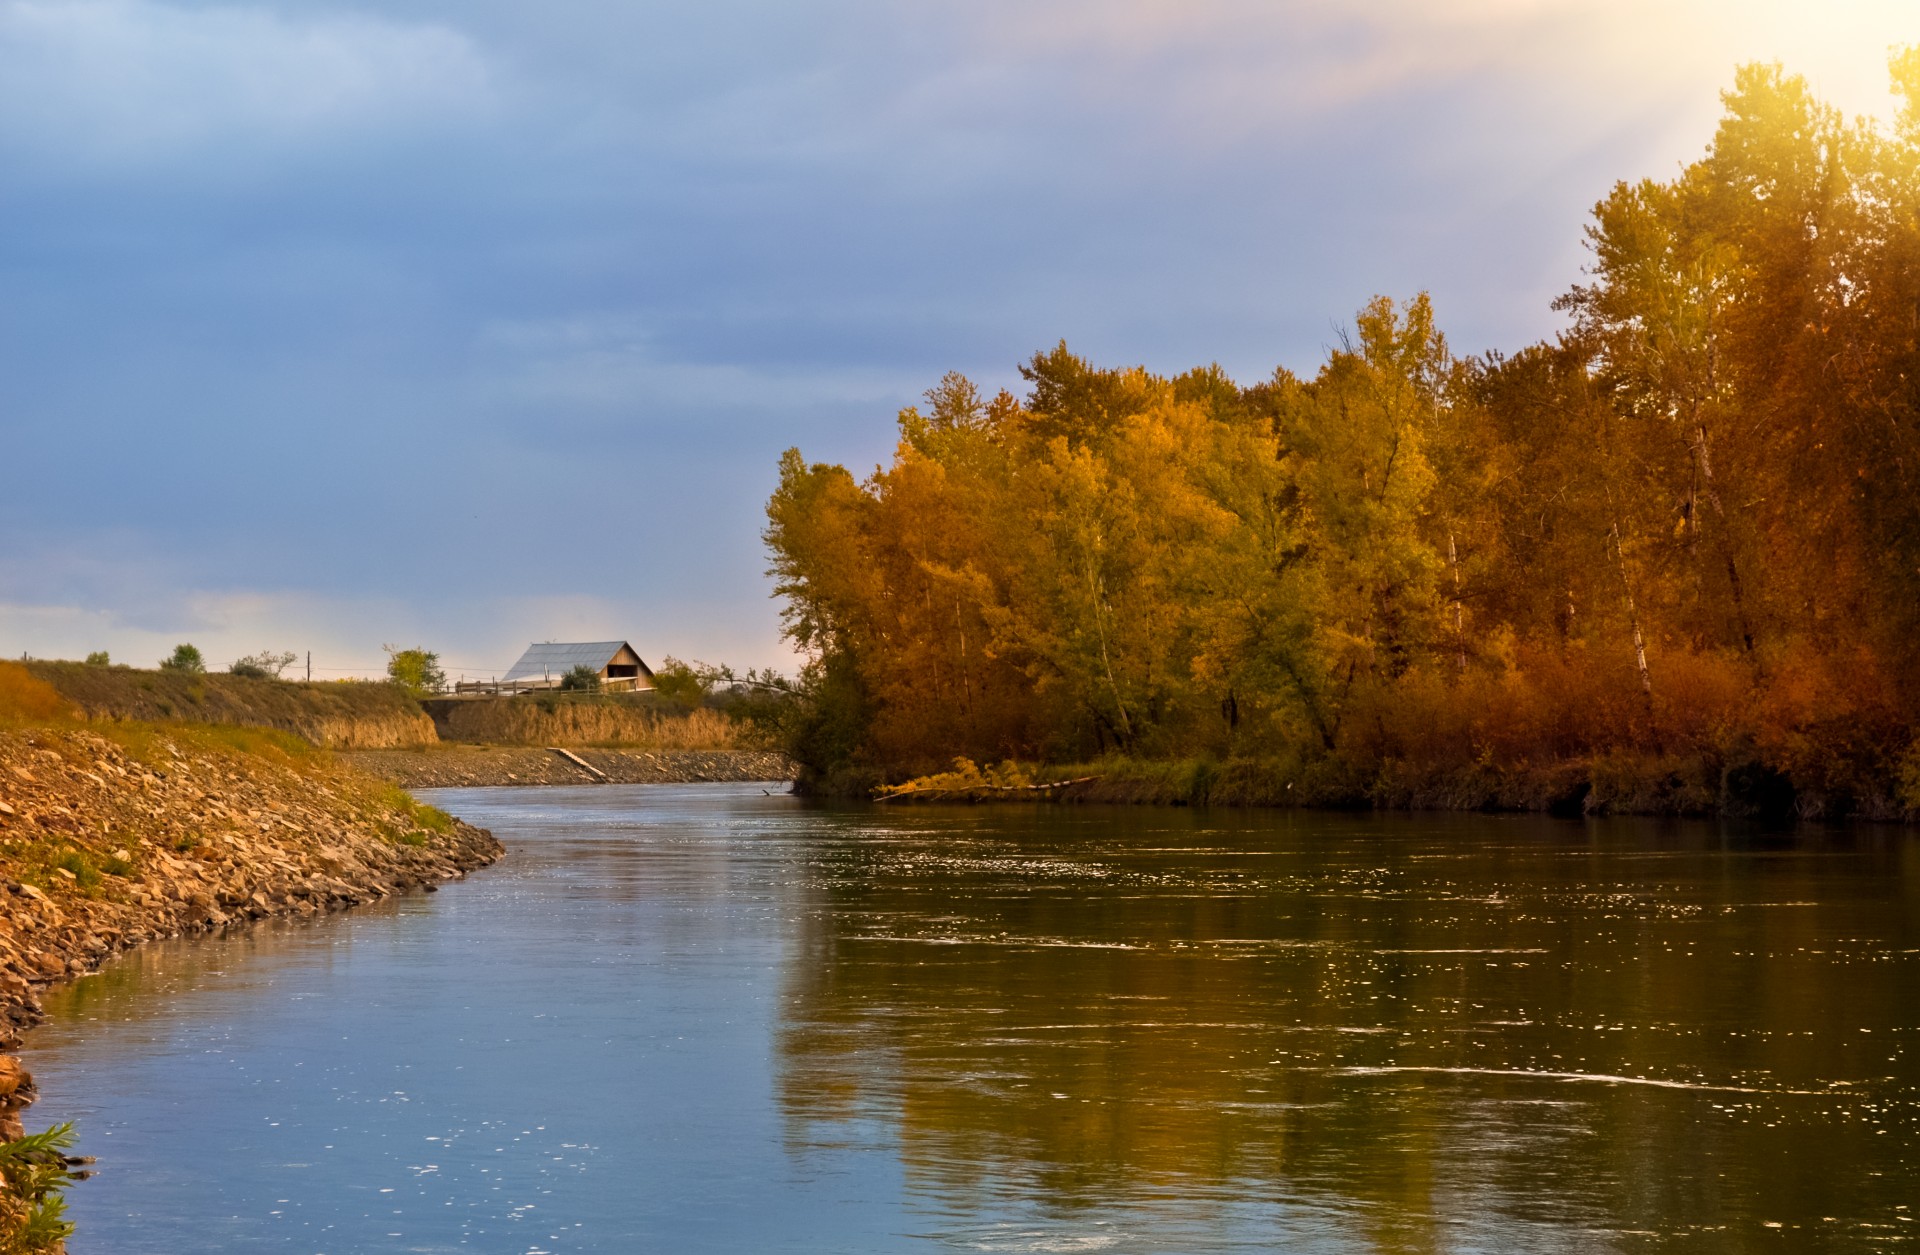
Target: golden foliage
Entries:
(1687, 532)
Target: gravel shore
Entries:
(462, 766)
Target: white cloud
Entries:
(117, 81)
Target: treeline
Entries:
(1681, 539)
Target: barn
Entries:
(616, 663)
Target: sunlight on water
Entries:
(699, 1018)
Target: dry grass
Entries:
(25, 698)
(597, 722)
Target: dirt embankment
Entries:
(337, 715)
(630, 721)
(110, 841)
(450, 766)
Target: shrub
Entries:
(582, 679)
(686, 685)
(265, 665)
(184, 658)
(98, 658)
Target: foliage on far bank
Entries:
(1681, 541)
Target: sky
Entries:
(468, 323)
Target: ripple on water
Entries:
(703, 1019)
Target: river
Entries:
(704, 1018)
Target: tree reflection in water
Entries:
(1412, 1034)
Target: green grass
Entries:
(85, 874)
(416, 815)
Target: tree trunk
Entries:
(1459, 614)
(1704, 459)
(1633, 621)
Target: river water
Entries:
(702, 1018)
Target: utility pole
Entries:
(309, 666)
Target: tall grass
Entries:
(589, 722)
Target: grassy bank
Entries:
(368, 715)
(335, 715)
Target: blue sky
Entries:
(467, 324)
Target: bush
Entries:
(184, 658)
(582, 679)
(98, 658)
(686, 685)
(416, 670)
(265, 665)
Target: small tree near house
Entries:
(581, 679)
(416, 670)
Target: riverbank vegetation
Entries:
(1669, 560)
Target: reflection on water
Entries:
(701, 1018)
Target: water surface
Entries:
(702, 1018)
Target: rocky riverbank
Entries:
(450, 766)
(107, 842)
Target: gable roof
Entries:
(557, 658)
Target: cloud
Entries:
(114, 82)
(362, 285)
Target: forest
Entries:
(1668, 560)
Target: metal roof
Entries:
(556, 658)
